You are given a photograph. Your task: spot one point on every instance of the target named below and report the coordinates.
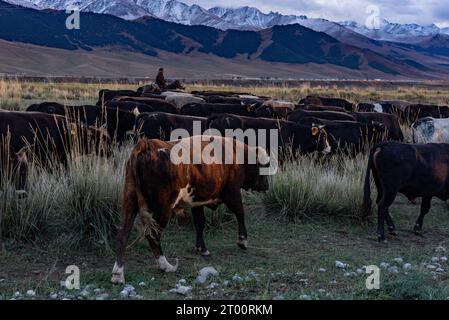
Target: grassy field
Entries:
(297, 231)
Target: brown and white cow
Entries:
(157, 188)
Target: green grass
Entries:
(306, 221)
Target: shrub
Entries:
(307, 188)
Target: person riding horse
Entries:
(163, 83)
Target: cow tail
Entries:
(148, 224)
(367, 203)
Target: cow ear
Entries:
(315, 130)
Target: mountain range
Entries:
(35, 41)
(242, 18)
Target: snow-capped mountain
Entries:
(396, 32)
(243, 18)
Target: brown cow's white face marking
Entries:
(165, 266)
(118, 274)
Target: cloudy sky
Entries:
(403, 11)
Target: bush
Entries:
(308, 187)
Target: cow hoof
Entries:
(381, 239)
(204, 253)
(117, 279)
(418, 233)
(243, 244)
(393, 232)
(118, 276)
(165, 266)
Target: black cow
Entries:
(207, 109)
(349, 137)
(157, 104)
(159, 125)
(416, 170)
(87, 114)
(105, 95)
(313, 107)
(222, 99)
(299, 114)
(417, 111)
(335, 102)
(390, 121)
(50, 137)
(119, 123)
(303, 139)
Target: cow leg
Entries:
(154, 240)
(128, 215)
(233, 200)
(425, 207)
(200, 221)
(382, 215)
(388, 218)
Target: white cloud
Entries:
(403, 11)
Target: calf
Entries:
(427, 130)
(417, 170)
(156, 189)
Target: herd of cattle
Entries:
(156, 189)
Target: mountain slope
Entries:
(292, 44)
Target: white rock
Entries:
(53, 296)
(398, 260)
(142, 284)
(321, 290)
(204, 273)
(124, 293)
(393, 270)
(360, 271)
(333, 282)
(443, 259)
(17, 294)
(102, 296)
(305, 297)
(226, 283)
(349, 274)
(384, 265)
(138, 297)
(182, 281)
(237, 278)
(212, 286)
(431, 266)
(98, 291)
(31, 293)
(435, 259)
(180, 289)
(439, 270)
(322, 270)
(440, 249)
(407, 266)
(340, 265)
(85, 293)
(129, 288)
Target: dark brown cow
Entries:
(313, 107)
(157, 104)
(156, 189)
(106, 95)
(416, 170)
(390, 121)
(322, 101)
(299, 114)
(159, 125)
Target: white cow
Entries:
(179, 101)
(429, 129)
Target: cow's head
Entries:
(306, 138)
